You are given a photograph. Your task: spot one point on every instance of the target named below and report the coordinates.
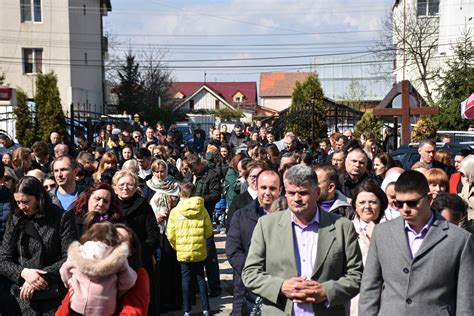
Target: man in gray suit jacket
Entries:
(418, 264)
(303, 261)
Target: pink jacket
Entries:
(97, 282)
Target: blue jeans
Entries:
(191, 271)
(219, 217)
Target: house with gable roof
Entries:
(276, 90)
(194, 96)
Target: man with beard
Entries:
(330, 199)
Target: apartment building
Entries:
(447, 20)
(65, 36)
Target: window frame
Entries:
(34, 59)
(426, 9)
(29, 5)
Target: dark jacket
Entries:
(237, 247)
(347, 186)
(139, 216)
(208, 186)
(235, 141)
(199, 137)
(239, 201)
(21, 248)
(4, 210)
(436, 164)
(240, 232)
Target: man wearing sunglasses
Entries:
(418, 263)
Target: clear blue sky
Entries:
(331, 37)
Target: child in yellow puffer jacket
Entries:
(189, 225)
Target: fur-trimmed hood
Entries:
(96, 268)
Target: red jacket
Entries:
(453, 182)
(133, 303)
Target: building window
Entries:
(218, 105)
(30, 10)
(85, 58)
(84, 9)
(32, 60)
(191, 105)
(428, 7)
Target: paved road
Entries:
(219, 305)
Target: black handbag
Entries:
(49, 293)
(252, 305)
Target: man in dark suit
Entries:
(418, 263)
(303, 261)
(427, 151)
(241, 229)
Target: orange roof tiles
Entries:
(280, 84)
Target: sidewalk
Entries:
(219, 305)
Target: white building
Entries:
(63, 36)
(448, 17)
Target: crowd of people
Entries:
(125, 225)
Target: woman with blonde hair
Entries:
(139, 216)
(371, 148)
(467, 192)
(108, 161)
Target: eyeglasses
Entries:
(125, 185)
(409, 203)
(7, 178)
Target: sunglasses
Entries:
(409, 203)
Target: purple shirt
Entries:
(415, 239)
(305, 242)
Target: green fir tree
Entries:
(370, 123)
(457, 84)
(307, 114)
(130, 88)
(49, 112)
(25, 129)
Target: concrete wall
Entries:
(85, 35)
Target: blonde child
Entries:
(188, 228)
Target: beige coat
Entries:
(467, 194)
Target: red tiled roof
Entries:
(226, 90)
(280, 84)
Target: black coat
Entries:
(347, 186)
(240, 233)
(239, 201)
(208, 186)
(139, 216)
(436, 164)
(21, 248)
